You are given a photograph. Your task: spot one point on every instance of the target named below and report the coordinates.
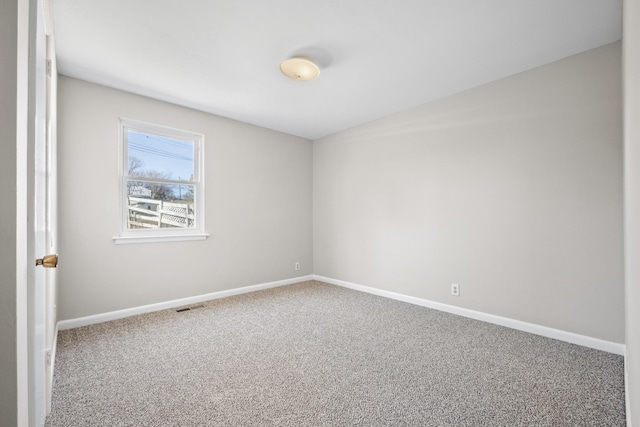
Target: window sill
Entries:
(127, 240)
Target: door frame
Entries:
(22, 228)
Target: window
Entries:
(162, 196)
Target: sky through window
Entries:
(161, 154)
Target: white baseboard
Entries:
(544, 331)
(570, 337)
(119, 314)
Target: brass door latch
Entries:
(48, 261)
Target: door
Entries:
(42, 292)
(51, 220)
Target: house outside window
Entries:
(161, 173)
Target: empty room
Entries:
(297, 213)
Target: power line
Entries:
(135, 146)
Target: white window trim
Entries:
(126, 236)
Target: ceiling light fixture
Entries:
(299, 68)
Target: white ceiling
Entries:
(377, 57)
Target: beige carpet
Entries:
(313, 354)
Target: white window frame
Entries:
(197, 232)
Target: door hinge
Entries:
(48, 68)
(48, 357)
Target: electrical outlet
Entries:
(297, 266)
(455, 289)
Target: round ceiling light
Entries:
(299, 69)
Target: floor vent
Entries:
(193, 307)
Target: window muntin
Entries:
(161, 188)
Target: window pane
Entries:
(159, 157)
(161, 188)
(156, 205)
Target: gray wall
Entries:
(513, 190)
(631, 45)
(8, 174)
(258, 207)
